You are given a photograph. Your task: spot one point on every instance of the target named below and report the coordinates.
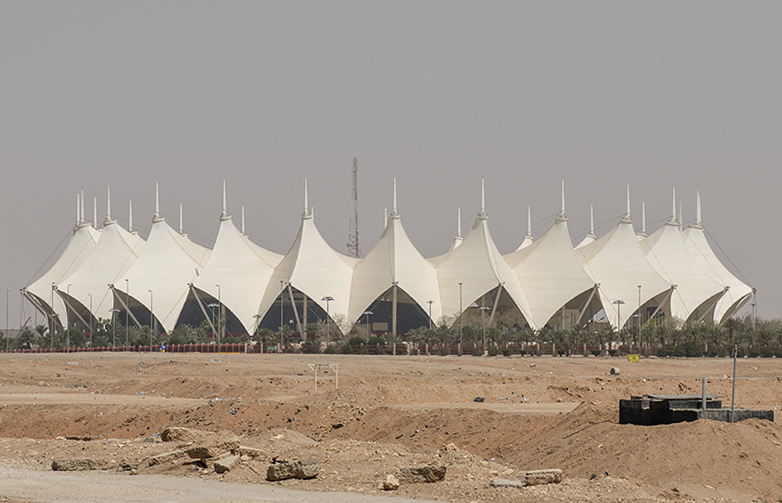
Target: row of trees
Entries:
(664, 332)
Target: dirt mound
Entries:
(731, 458)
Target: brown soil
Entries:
(392, 412)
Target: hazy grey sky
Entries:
(437, 94)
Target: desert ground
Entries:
(370, 415)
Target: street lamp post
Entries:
(114, 326)
(7, 335)
(328, 299)
(127, 312)
(90, 341)
(618, 314)
(151, 318)
(282, 319)
(257, 323)
(68, 318)
(460, 318)
(219, 318)
(483, 310)
(430, 313)
(639, 318)
(368, 314)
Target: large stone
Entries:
(506, 483)
(539, 477)
(75, 465)
(252, 452)
(177, 434)
(303, 469)
(391, 483)
(225, 464)
(431, 473)
(214, 448)
(166, 457)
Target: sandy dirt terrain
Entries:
(388, 413)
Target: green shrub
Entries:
(476, 351)
(741, 352)
(522, 352)
(613, 352)
(778, 353)
(414, 352)
(597, 352)
(493, 351)
(346, 349)
(689, 349)
(506, 352)
(357, 341)
(310, 347)
(561, 352)
(444, 351)
(331, 349)
(374, 341)
(662, 352)
(767, 352)
(754, 352)
(363, 350)
(381, 350)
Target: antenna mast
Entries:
(353, 249)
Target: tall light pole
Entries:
(114, 326)
(639, 318)
(257, 324)
(7, 334)
(483, 310)
(282, 316)
(219, 318)
(127, 311)
(430, 313)
(328, 299)
(68, 319)
(618, 314)
(51, 318)
(368, 314)
(151, 318)
(90, 341)
(460, 318)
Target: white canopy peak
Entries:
(394, 212)
(224, 213)
(307, 212)
(482, 215)
(157, 218)
(108, 219)
(627, 218)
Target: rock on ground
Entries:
(304, 469)
(74, 465)
(430, 473)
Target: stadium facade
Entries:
(168, 280)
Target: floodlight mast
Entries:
(327, 299)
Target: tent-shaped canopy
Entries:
(696, 293)
(549, 271)
(160, 278)
(738, 293)
(82, 243)
(116, 252)
(241, 268)
(312, 267)
(394, 261)
(479, 267)
(589, 238)
(618, 265)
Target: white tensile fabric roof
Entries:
(696, 292)
(393, 260)
(82, 243)
(617, 263)
(314, 268)
(589, 238)
(549, 272)
(116, 252)
(540, 278)
(478, 265)
(738, 292)
(241, 268)
(167, 266)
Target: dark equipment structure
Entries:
(649, 410)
